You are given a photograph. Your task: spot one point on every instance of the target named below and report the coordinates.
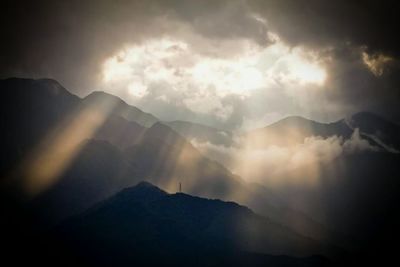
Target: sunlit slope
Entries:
(120, 108)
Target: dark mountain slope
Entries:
(28, 109)
(97, 172)
(357, 194)
(378, 129)
(146, 225)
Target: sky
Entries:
(233, 64)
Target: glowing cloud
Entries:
(197, 78)
(275, 165)
(376, 63)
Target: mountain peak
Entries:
(44, 86)
(145, 184)
(103, 96)
(120, 107)
(294, 120)
(160, 126)
(142, 192)
(163, 132)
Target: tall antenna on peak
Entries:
(180, 187)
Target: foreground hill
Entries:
(143, 224)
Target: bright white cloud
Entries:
(201, 81)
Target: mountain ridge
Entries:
(120, 107)
(207, 223)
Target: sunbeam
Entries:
(45, 164)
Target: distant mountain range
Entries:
(109, 145)
(293, 130)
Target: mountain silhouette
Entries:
(145, 225)
(30, 108)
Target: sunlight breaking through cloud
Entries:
(296, 163)
(184, 76)
(42, 167)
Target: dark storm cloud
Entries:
(68, 40)
(330, 23)
(354, 87)
(345, 28)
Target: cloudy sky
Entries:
(236, 64)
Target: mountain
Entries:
(202, 133)
(380, 130)
(293, 130)
(97, 172)
(143, 224)
(116, 106)
(120, 132)
(29, 109)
